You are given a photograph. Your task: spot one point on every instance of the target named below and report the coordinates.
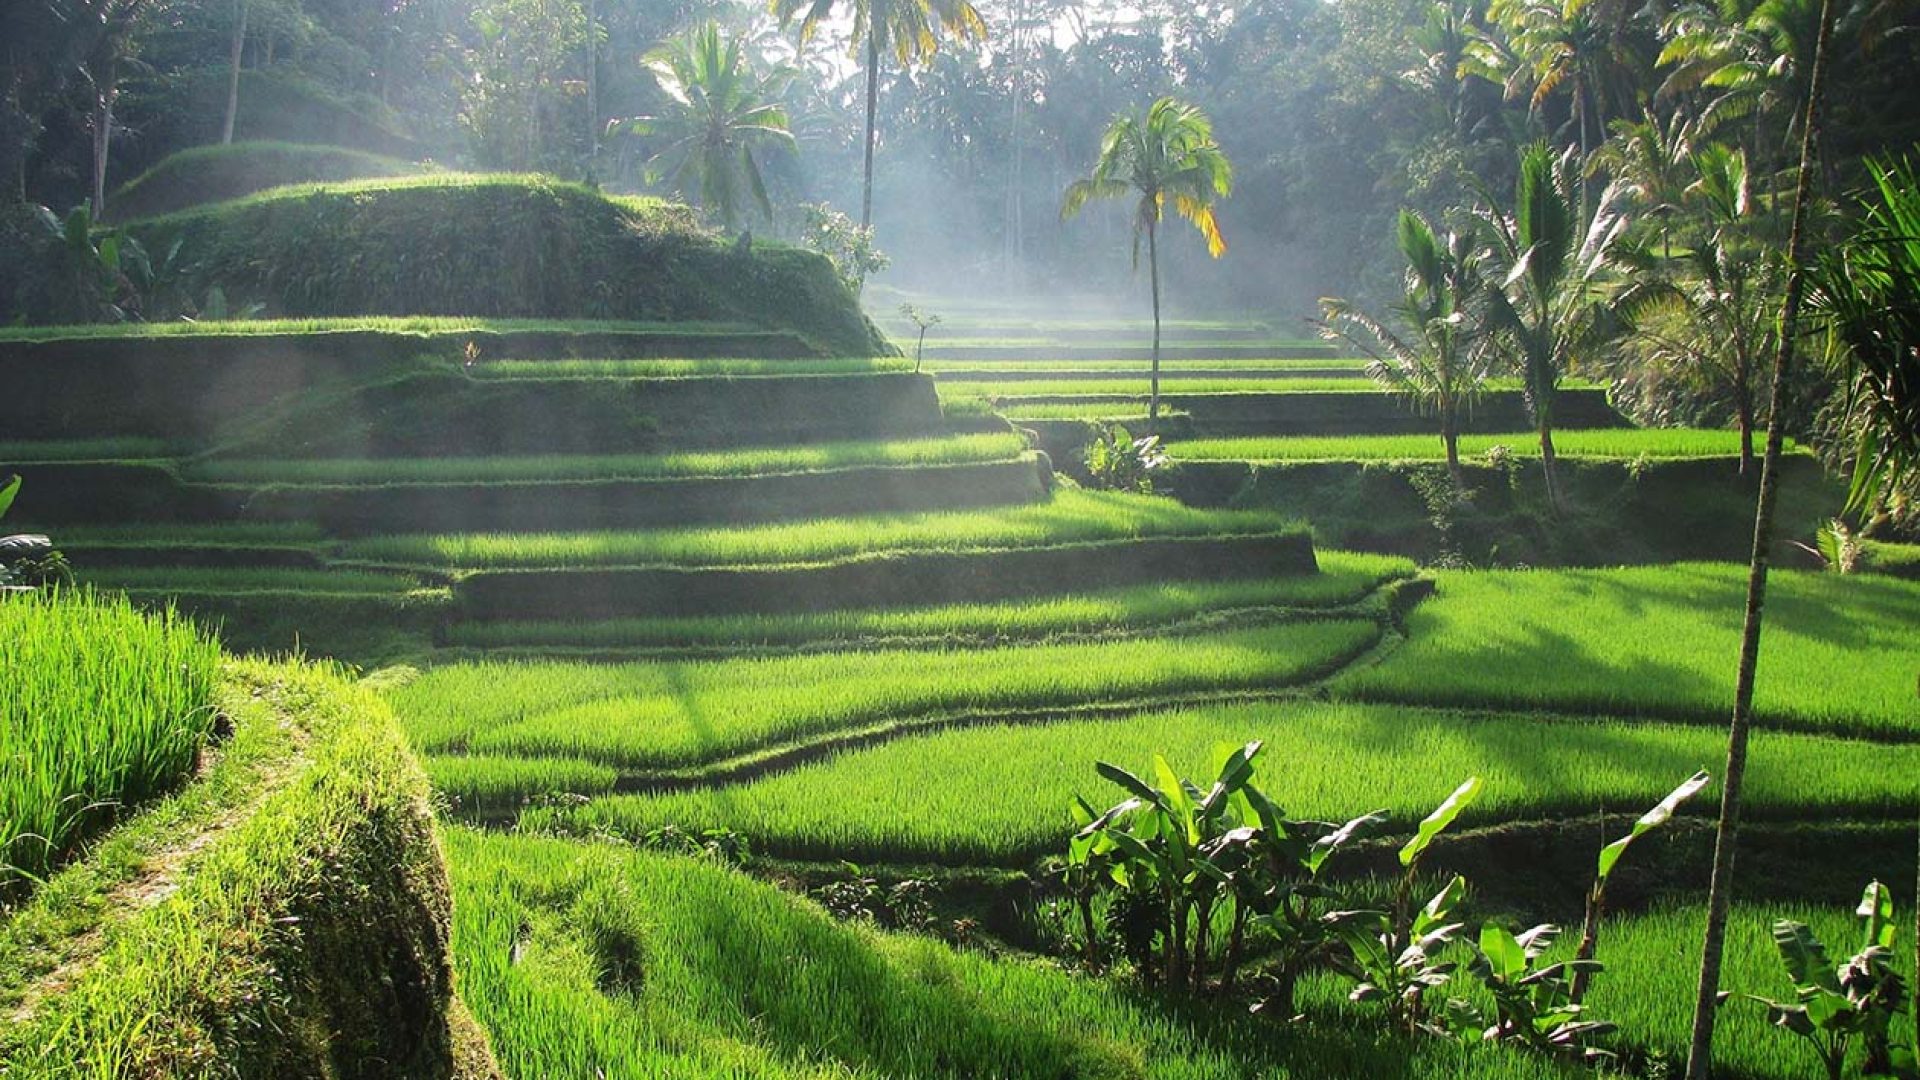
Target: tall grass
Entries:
(72, 450)
(952, 450)
(1071, 516)
(670, 714)
(1000, 794)
(1839, 654)
(1344, 578)
(238, 580)
(386, 324)
(100, 708)
(1117, 367)
(1600, 443)
(595, 960)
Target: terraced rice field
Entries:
(939, 729)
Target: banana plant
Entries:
(1609, 858)
(1836, 1006)
(1533, 1003)
(1398, 964)
(1088, 864)
(1302, 914)
(1163, 838)
(1394, 954)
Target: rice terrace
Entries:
(959, 540)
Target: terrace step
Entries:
(1104, 374)
(884, 580)
(1051, 351)
(1377, 413)
(107, 492)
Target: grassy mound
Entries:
(178, 112)
(102, 709)
(285, 914)
(208, 174)
(503, 246)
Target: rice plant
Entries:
(100, 708)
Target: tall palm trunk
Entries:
(1153, 271)
(1726, 834)
(233, 71)
(873, 102)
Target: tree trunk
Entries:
(1153, 271)
(873, 104)
(1726, 834)
(1450, 434)
(233, 73)
(104, 95)
(593, 85)
(1589, 942)
(1743, 416)
(1549, 470)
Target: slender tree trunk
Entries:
(1153, 271)
(104, 95)
(233, 73)
(1549, 469)
(1744, 417)
(1450, 434)
(873, 104)
(593, 83)
(1726, 835)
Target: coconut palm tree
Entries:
(1589, 47)
(1166, 154)
(910, 29)
(722, 112)
(1428, 352)
(1554, 310)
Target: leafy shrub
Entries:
(1117, 461)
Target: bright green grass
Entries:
(1601, 443)
(1136, 386)
(71, 450)
(100, 707)
(234, 580)
(1652, 963)
(1071, 516)
(1122, 338)
(661, 209)
(1000, 794)
(1344, 578)
(1120, 367)
(675, 714)
(954, 450)
(1885, 557)
(1840, 653)
(1121, 412)
(385, 324)
(682, 369)
(596, 960)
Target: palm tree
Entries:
(1868, 294)
(1706, 321)
(1553, 310)
(1586, 46)
(1431, 356)
(908, 28)
(1166, 153)
(722, 111)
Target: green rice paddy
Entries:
(679, 713)
(1071, 516)
(1597, 443)
(953, 450)
(922, 799)
(1840, 652)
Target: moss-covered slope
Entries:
(207, 174)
